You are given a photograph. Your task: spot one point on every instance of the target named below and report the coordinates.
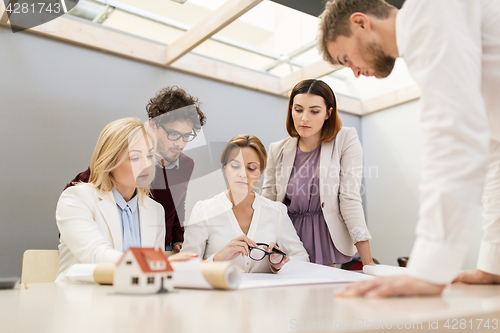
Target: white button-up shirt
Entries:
(452, 49)
(212, 226)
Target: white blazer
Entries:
(341, 169)
(91, 228)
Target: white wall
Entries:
(391, 142)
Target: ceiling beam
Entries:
(3, 13)
(213, 23)
(313, 71)
(224, 72)
(81, 32)
(390, 99)
(349, 104)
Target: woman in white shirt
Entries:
(239, 224)
(101, 219)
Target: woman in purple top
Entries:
(316, 173)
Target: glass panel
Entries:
(159, 20)
(141, 27)
(189, 13)
(284, 69)
(268, 33)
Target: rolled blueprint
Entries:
(206, 275)
(194, 273)
(104, 272)
(222, 275)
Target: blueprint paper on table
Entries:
(297, 272)
(384, 270)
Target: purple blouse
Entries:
(304, 208)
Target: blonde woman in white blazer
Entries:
(99, 220)
(317, 173)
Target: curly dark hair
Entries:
(173, 98)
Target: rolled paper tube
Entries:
(222, 275)
(104, 272)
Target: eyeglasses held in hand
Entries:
(258, 253)
(174, 136)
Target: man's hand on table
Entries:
(475, 276)
(402, 285)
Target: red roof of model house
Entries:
(150, 260)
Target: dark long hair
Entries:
(332, 125)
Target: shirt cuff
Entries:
(211, 258)
(436, 262)
(489, 257)
(359, 234)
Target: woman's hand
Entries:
(270, 249)
(364, 252)
(182, 256)
(237, 246)
(177, 248)
(476, 276)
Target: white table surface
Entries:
(50, 307)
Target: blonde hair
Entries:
(114, 141)
(245, 141)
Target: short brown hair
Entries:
(334, 21)
(174, 98)
(245, 141)
(332, 125)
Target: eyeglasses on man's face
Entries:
(174, 135)
(258, 253)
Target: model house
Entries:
(143, 271)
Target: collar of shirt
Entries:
(227, 204)
(132, 203)
(173, 165)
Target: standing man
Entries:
(175, 116)
(452, 50)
